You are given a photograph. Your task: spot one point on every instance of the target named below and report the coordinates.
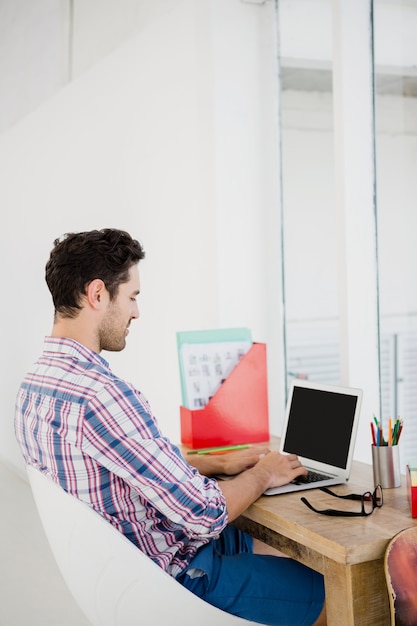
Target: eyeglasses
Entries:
(369, 502)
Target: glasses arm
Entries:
(349, 496)
(333, 512)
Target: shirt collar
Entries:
(74, 349)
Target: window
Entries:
(310, 254)
(349, 157)
(395, 25)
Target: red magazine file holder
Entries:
(238, 411)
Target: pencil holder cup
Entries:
(386, 466)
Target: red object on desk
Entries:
(238, 411)
(411, 475)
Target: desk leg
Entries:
(356, 595)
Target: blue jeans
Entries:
(266, 589)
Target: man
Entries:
(95, 435)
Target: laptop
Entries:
(320, 426)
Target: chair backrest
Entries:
(400, 572)
(111, 580)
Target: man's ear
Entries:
(96, 293)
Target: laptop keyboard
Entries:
(311, 477)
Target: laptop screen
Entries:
(320, 424)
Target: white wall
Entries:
(133, 143)
(172, 136)
(33, 55)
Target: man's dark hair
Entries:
(79, 258)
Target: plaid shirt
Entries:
(95, 435)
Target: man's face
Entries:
(115, 324)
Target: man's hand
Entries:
(254, 469)
(228, 463)
(283, 468)
(272, 470)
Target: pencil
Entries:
(219, 449)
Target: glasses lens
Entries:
(378, 496)
(367, 502)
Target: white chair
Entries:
(111, 580)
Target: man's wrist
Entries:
(261, 475)
(208, 465)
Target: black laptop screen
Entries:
(320, 425)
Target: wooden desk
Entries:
(349, 552)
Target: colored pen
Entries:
(373, 434)
(395, 433)
(399, 429)
(219, 449)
